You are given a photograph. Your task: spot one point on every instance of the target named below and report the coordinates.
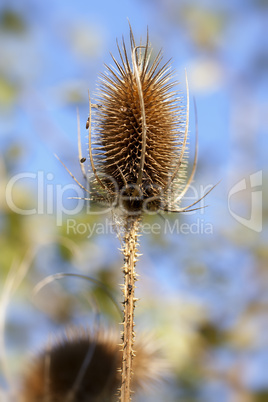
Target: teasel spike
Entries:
(124, 61)
(132, 39)
(118, 65)
(155, 65)
(142, 146)
(145, 59)
(90, 149)
(105, 78)
(184, 139)
(152, 72)
(123, 177)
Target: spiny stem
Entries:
(130, 277)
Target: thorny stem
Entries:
(130, 277)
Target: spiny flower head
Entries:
(81, 366)
(140, 133)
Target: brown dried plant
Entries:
(138, 159)
(82, 366)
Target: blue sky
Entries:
(65, 48)
(223, 47)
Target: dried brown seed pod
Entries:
(80, 367)
(139, 151)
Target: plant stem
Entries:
(130, 277)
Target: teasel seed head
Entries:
(81, 366)
(140, 135)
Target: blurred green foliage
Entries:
(12, 22)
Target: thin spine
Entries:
(79, 145)
(130, 277)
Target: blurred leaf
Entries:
(65, 253)
(13, 241)
(14, 152)
(261, 396)
(212, 335)
(74, 96)
(11, 22)
(205, 26)
(8, 92)
(188, 381)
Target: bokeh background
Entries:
(203, 295)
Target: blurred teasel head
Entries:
(141, 126)
(80, 366)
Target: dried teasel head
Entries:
(81, 367)
(139, 153)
